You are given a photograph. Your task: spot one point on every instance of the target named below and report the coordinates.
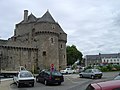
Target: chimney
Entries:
(25, 15)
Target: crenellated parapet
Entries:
(46, 32)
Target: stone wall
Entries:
(13, 57)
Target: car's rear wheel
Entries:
(92, 77)
(46, 82)
(81, 75)
(59, 83)
(100, 77)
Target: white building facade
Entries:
(102, 59)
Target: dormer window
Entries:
(53, 26)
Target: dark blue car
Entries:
(50, 77)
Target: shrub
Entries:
(104, 69)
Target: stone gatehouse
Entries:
(36, 43)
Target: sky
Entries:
(93, 26)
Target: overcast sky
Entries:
(93, 26)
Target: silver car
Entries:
(91, 73)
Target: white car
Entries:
(24, 77)
(67, 71)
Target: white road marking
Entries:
(6, 79)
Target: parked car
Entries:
(67, 71)
(48, 77)
(107, 85)
(91, 73)
(117, 77)
(24, 77)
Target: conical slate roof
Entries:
(31, 18)
(46, 18)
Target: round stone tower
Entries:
(47, 36)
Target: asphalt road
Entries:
(72, 82)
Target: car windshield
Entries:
(55, 73)
(25, 74)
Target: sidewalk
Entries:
(5, 85)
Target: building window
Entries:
(52, 40)
(33, 31)
(44, 53)
(61, 46)
(64, 56)
(53, 26)
(14, 38)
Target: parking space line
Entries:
(71, 80)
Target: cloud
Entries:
(92, 25)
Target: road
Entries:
(72, 82)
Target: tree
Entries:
(73, 55)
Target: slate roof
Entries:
(46, 18)
(31, 18)
(93, 57)
(115, 55)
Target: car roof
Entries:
(24, 71)
(92, 69)
(107, 84)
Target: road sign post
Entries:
(52, 67)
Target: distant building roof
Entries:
(95, 57)
(115, 55)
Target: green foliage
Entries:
(73, 54)
(109, 67)
(74, 66)
(104, 69)
(89, 67)
(117, 67)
